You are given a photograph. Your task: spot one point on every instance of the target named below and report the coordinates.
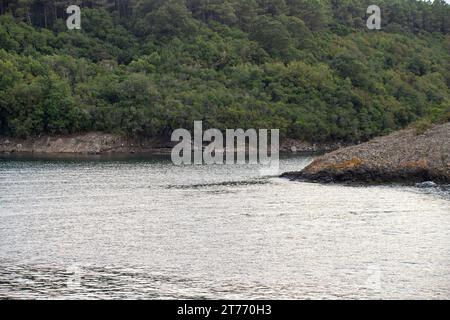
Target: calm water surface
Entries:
(143, 228)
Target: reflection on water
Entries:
(142, 228)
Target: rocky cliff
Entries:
(404, 156)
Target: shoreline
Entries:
(91, 143)
(98, 143)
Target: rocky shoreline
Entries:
(98, 143)
(91, 143)
(404, 156)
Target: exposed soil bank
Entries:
(403, 156)
(88, 143)
(103, 143)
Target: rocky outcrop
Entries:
(89, 143)
(404, 156)
(294, 146)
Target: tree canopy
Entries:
(310, 68)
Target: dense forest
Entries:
(310, 68)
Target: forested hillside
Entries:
(146, 67)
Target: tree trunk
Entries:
(45, 17)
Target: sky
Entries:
(448, 1)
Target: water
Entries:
(143, 228)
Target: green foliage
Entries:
(146, 67)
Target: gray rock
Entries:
(426, 184)
(404, 156)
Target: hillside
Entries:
(144, 68)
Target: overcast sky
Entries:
(448, 1)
